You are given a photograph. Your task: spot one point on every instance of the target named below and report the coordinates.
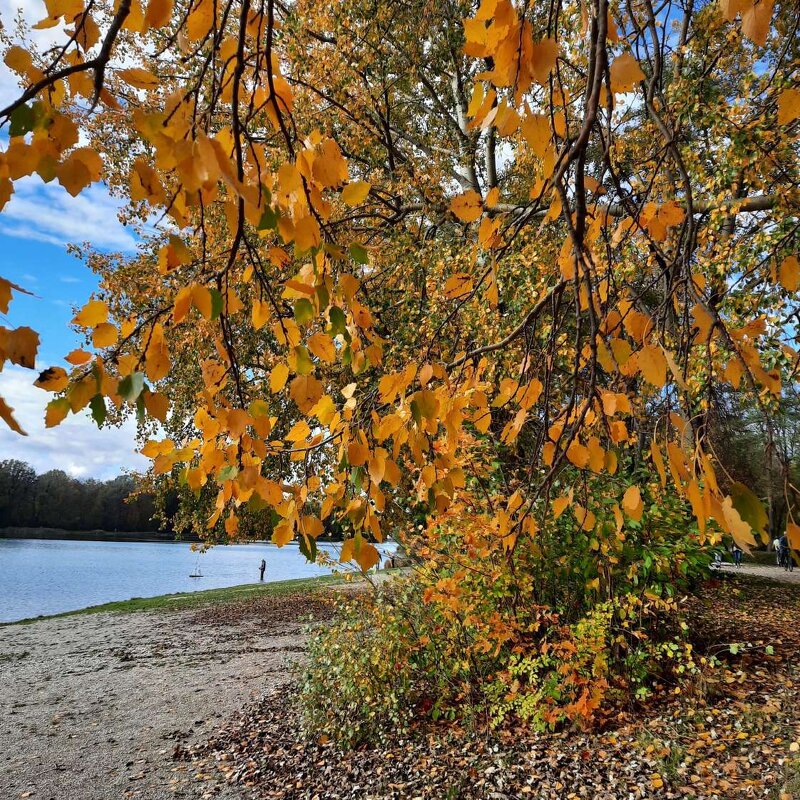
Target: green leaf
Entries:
(22, 120)
(304, 365)
(769, 650)
(308, 547)
(734, 649)
(98, 407)
(227, 473)
(140, 409)
(338, 321)
(303, 311)
(216, 303)
(130, 387)
(359, 254)
(269, 220)
(255, 503)
(750, 509)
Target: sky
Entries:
(35, 227)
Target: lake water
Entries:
(48, 576)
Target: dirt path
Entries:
(92, 707)
(760, 571)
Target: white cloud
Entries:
(76, 445)
(47, 213)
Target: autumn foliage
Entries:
(480, 274)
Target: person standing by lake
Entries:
(261, 569)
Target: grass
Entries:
(184, 600)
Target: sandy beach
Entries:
(92, 707)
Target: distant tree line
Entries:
(57, 500)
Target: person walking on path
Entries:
(776, 546)
(737, 555)
(261, 569)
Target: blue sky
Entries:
(35, 227)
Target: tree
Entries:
(480, 273)
(57, 500)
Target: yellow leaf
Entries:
(543, 59)
(625, 73)
(632, 503)
(756, 20)
(77, 357)
(788, 106)
(158, 14)
(18, 59)
(283, 533)
(346, 553)
(261, 313)
(201, 300)
(138, 78)
(736, 526)
(56, 411)
(183, 302)
(652, 365)
(357, 454)
(789, 274)
(578, 454)
(306, 234)
(596, 455)
(330, 167)
(173, 255)
(300, 431)
(468, 206)
(157, 405)
(793, 532)
(367, 556)
(559, 505)
(7, 415)
(54, 379)
(305, 390)
(104, 335)
(94, 313)
(586, 518)
(277, 377)
(322, 346)
(698, 507)
(458, 285)
(19, 346)
(355, 193)
(5, 292)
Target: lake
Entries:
(48, 576)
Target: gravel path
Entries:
(760, 571)
(92, 707)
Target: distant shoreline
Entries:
(93, 536)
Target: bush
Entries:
(543, 629)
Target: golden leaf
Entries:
(355, 193)
(467, 207)
(54, 379)
(789, 274)
(94, 313)
(625, 73)
(138, 78)
(7, 415)
(632, 503)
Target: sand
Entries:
(92, 707)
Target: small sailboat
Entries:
(196, 573)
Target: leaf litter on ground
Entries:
(734, 733)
